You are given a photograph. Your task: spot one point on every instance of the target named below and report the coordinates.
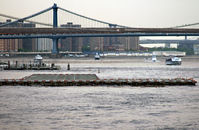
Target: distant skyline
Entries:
(134, 13)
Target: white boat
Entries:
(97, 56)
(38, 60)
(154, 59)
(173, 61)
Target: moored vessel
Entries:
(154, 59)
(173, 61)
(97, 56)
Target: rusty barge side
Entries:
(91, 80)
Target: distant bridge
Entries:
(25, 31)
(112, 30)
(13, 33)
(169, 41)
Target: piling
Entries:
(8, 64)
(16, 64)
(68, 67)
(52, 65)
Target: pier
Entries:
(36, 64)
(31, 67)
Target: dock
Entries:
(31, 67)
(37, 64)
(91, 80)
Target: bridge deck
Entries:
(19, 31)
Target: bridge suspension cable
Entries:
(25, 18)
(92, 19)
(187, 25)
(34, 22)
(110, 25)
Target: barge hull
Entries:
(91, 80)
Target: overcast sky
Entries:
(134, 13)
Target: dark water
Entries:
(125, 107)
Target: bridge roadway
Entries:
(17, 31)
(169, 41)
(13, 33)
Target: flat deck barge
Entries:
(91, 80)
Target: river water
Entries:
(101, 107)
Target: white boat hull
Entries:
(173, 63)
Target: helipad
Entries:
(68, 77)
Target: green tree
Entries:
(86, 48)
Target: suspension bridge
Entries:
(100, 28)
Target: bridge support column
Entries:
(55, 20)
(55, 49)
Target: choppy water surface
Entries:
(125, 107)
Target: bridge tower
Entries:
(55, 25)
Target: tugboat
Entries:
(97, 56)
(173, 61)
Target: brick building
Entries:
(71, 44)
(8, 45)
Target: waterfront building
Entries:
(129, 43)
(196, 49)
(28, 44)
(96, 43)
(121, 43)
(71, 44)
(8, 45)
(44, 44)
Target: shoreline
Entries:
(92, 57)
(113, 59)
